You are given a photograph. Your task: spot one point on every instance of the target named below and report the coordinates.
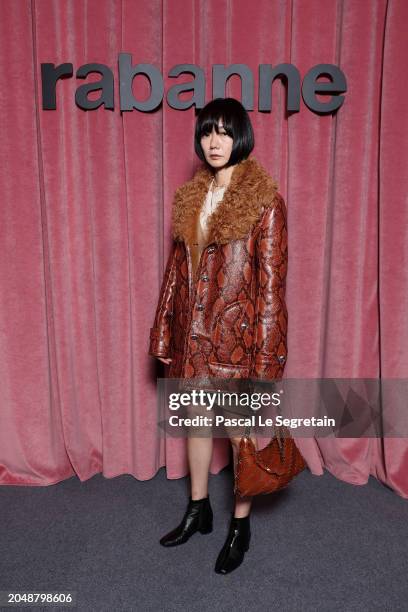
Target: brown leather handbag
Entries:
(269, 469)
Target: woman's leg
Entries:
(242, 504)
(199, 451)
(198, 515)
(232, 553)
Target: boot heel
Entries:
(246, 545)
(206, 528)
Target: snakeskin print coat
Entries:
(221, 310)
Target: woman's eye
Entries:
(205, 134)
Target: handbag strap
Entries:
(279, 439)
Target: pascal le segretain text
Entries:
(252, 421)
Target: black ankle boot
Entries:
(198, 517)
(237, 543)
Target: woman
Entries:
(221, 310)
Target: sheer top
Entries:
(210, 203)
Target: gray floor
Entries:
(320, 545)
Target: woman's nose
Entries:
(214, 139)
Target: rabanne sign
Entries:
(288, 73)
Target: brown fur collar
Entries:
(250, 189)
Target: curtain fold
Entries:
(85, 222)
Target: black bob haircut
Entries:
(236, 123)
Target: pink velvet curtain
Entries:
(85, 222)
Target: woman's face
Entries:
(217, 147)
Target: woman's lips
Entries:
(215, 156)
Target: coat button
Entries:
(244, 325)
(194, 336)
(211, 249)
(200, 306)
(282, 358)
(204, 277)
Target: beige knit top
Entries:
(210, 203)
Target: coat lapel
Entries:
(250, 190)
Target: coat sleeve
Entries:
(271, 317)
(160, 333)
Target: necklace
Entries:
(217, 187)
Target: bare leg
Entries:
(199, 451)
(199, 515)
(242, 504)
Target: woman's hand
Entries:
(166, 361)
